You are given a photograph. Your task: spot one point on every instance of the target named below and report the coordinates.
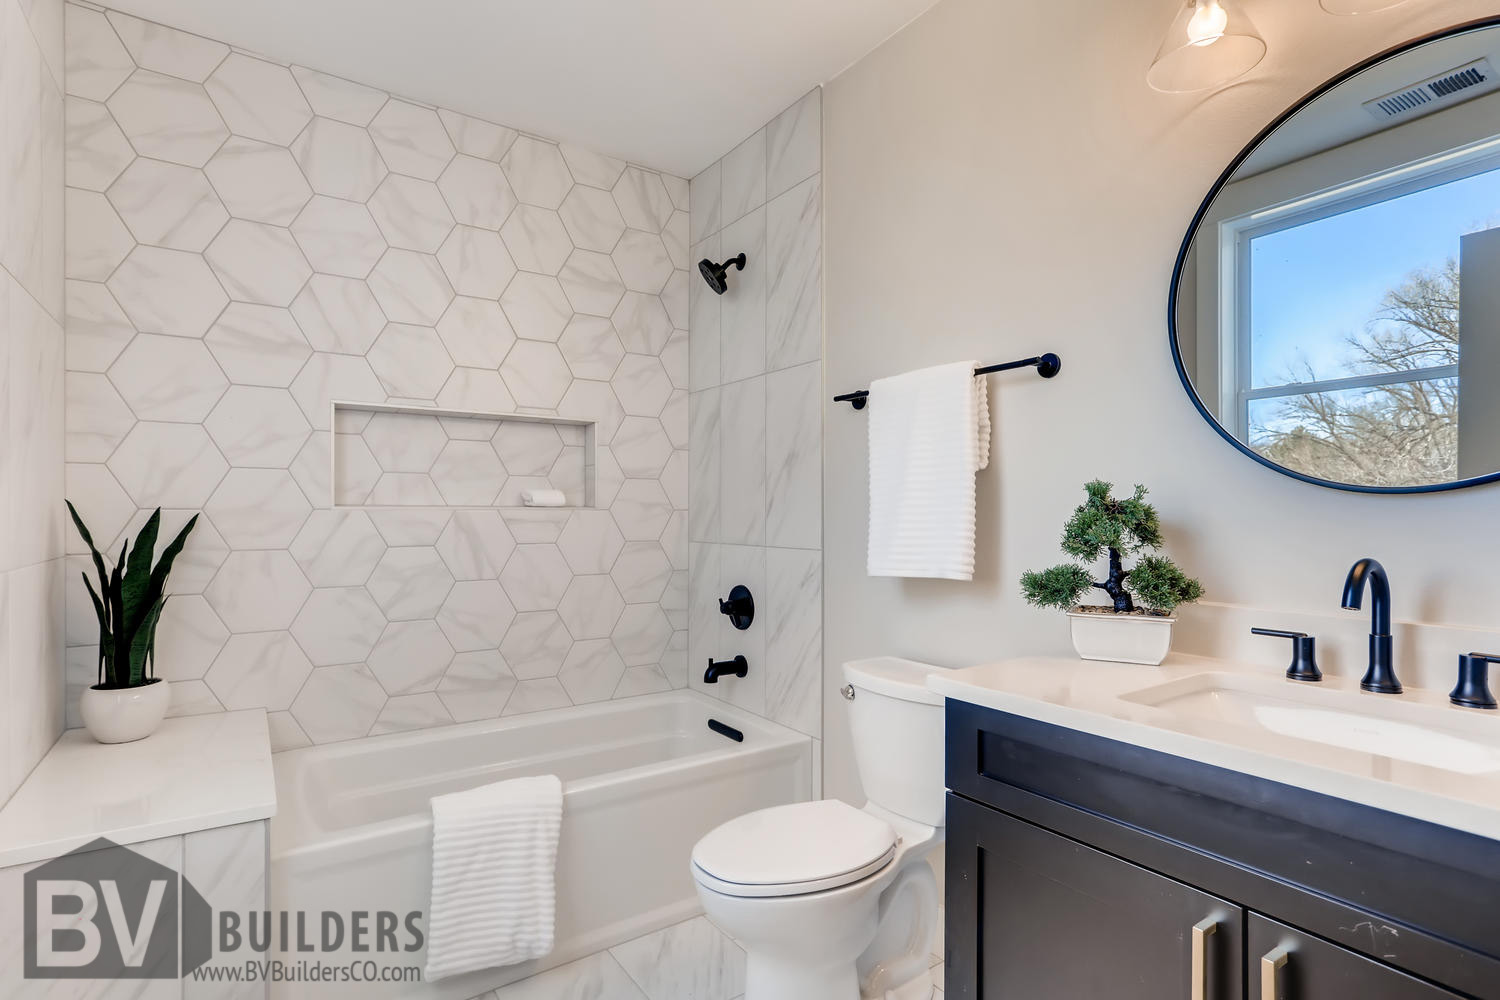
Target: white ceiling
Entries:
(671, 84)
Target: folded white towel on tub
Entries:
(494, 868)
(929, 435)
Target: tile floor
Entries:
(692, 960)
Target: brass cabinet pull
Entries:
(1271, 964)
(1201, 931)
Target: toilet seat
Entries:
(793, 850)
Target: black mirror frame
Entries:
(1187, 243)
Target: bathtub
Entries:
(643, 779)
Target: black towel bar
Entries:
(1047, 365)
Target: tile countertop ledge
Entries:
(194, 773)
(1089, 697)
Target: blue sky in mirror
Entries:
(1315, 285)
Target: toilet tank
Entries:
(897, 727)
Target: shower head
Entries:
(717, 275)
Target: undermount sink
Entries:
(1459, 740)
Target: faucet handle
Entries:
(1473, 688)
(1304, 665)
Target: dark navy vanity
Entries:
(1082, 867)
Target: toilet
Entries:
(831, 902)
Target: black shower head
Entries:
(717, 275)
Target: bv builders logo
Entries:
(105, 912)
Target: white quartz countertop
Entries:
(194, 773)
(1096, 697)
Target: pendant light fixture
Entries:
(1210, 43)
(1347, 7)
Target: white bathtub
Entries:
(644, 778)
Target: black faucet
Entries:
(1380, 677)
(1473, 689)
(738, 667)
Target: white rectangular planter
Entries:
(1121, 638)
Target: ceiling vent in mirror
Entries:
(1478, 77)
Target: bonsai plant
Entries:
(1137, 626)
(128, 701)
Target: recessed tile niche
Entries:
(414, 456)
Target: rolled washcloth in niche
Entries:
(544, 498)
(929, 435)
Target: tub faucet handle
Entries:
(1473, 688)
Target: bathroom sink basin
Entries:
(1462, 741)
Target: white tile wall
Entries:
(755, 426)
(31, 384)
(249, 241)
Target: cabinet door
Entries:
(1036, 916)
(1286, 964)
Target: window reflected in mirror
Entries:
(1338, 311)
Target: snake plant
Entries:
(129, 602)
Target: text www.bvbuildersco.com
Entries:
(307, 971)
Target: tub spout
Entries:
(738, 667)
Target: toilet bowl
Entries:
(831, 902)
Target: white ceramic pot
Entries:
(1121, 638)
(122, 715)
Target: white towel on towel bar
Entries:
(929, 435)
(494, 861)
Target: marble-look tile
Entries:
(167, 118)
(258, 263)
(97, 328)
(410, 287)
(97, 151)
(742, 437)
(477, 192)
(794, 144)
(411, 213)
(641, 637)
(338, 237)
(537, 238)
(412, 140)
(339, 99)
(173, 465)
(705, 215)
(591, 541)
(592, 218)
(705, 313)
(743, 178)
(285, 733)
(475, 545)
(794, 284)
(475, 615)
(535, 577)
(537, 172)
(411, 711)
(258, 99)
(258, 591)
(642, 448)
(258, 508)
(643, 323)
(33, 651)
(258, 181)
(338, 625)
(642, 262)
(476, 686)
(168, 291)
(329, 377)
(97, 62)
(410, 657)
(598, 977)
(536, 644)
(259, 669)
(740, 565)
(410, 361)
(339, 160)
(536, 374)
(591, 671)
(642, 572)
(642, 509)
(96, 418)
(339, 703)
(167, 50)
(410, 527)
(704, 627)
(227, 866)
(794, 457)
(475, 137)
(675, 236)
(794, 642)
(591, 282)
(258, 427)
(536, 696)
(168, 378)
(687, 961)
(742, 334)
(642, 385)
(468, 474)
(476, 262)
(97, 241)
(643, 199)
(338, 548)
(410, 583)
(591, 168)
(258, 345)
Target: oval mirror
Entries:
(1335, 308)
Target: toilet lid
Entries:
(794, 849)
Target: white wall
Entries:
(1000, 181)
(31, 392)
(756, 425)
(248, 242)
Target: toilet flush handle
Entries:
(847, 691)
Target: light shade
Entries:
(1210, 43)
(1358, 6)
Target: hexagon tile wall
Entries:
(248, 241)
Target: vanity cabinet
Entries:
(1080, 867)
